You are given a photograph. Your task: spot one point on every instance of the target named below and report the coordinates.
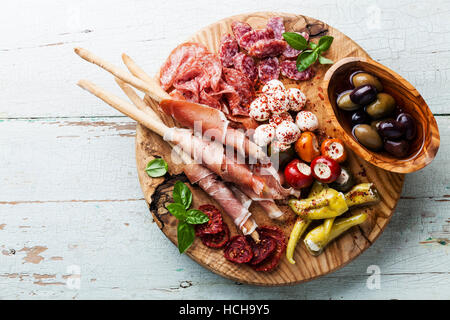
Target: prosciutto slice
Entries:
(212, 123)
(215, 188)
(211, 154)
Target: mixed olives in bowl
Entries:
(376, 120)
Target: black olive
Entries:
(410, 126)
(391, 129)
(363, 95)
(360, 117)
(398, 149)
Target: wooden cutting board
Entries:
(158, 191)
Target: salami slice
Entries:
(243, 86)
(252, 37)
(183, 54)
(268, 69)
(277, 25)
(217, 240)
(215, 223)
(227, 50)
(267, 48)
(290, 52)
(262, 250)
(240, 28)
(238, 250)
(246, 65)
(271, 262)
(289, 70)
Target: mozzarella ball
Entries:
(287, 132)
(276, 119)
(307, 121)
(297, 99)
(264, 134)
(278, 102)
(277, 147)
(272, 86)
(259, 109)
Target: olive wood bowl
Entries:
(426, 144)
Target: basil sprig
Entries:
(311, 51)
(186, 217)
(156, 168)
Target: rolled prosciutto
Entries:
(216, 189)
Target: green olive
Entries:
(344, 102)
(382, 107)
(368, 136)
(364, 78)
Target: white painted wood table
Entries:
(73, 222)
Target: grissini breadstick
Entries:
(150, 88)
(249, 226)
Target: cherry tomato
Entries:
(334, 149)
(298, 174)
(307, 146)
(325, 170)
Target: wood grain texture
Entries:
(68, 174)
(425, 145)
(339, 252)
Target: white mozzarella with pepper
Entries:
(278, 102)
(264, 134)
(273, 86)
(287, 132)
(307, 121)
(276, 119)
(260, 109)
(297, 99)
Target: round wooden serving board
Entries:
(341, 251)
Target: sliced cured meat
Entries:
(290, 52)
(242, 84)
(251, 37)
(240, 28)
(268, 69)
(263, 249)
(277, 25)
(238, 250)
(180, 56)
(214, 123)
(271, 262)
(215, 223)
(267, 48)
(227, 50)
(217, 240)
(246, 65)
(289, 70)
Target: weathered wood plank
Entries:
(54, 214)
(411, 38)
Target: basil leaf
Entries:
(156, 168)
(312, 45)
(177, 210)
(195, 216)
(306, 59)
(185, 236)
(182, 194)
(325, 43)
(295, 40)
(323, 60)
